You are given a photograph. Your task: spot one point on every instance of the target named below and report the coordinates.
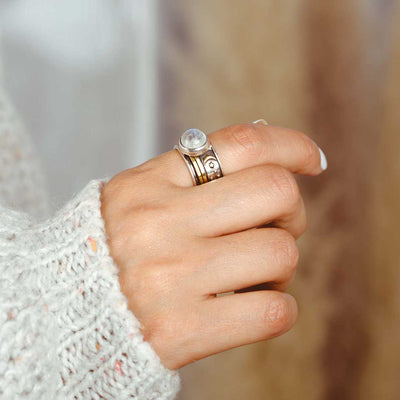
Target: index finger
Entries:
(247, 145)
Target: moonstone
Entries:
(193, 139)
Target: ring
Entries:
(260, 121)
(199, 155)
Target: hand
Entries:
(178, 245)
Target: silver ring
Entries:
(199, 155)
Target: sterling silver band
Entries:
(200, 157)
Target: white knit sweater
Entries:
(65, 329)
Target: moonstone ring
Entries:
(199, 155)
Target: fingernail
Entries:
(260, 121)
(324, 161)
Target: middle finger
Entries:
(246, 199)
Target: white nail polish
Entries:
(324, 162)
(260, 121)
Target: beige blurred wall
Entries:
(332, 70)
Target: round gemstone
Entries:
(193, 139)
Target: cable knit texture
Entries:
(65, 329)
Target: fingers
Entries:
(239, 319)
(248, 258)
(243, 200)
(247, 145)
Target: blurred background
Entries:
(105, 85)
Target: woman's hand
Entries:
(177, 245)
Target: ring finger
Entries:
(248, 258)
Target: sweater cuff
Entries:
(101, 348)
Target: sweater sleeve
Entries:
(65, 329)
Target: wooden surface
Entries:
(332, 70)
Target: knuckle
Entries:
(122, 179)
(147, 222)
(138, 226)
(118, 239)
(168, 321)
(161, 332)
(118, 187)
(159, 329)
(155, 277)
(246, 140)
(287, 251)
(277, 314)
(285, 185)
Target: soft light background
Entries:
(103, 85)
(83, 74)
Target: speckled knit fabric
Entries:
(65, 329)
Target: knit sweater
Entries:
(65, 329)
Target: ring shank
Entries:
(204, 167)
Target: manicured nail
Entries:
(260, 121)
(324, 162)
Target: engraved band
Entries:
(200, 157)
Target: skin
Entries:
(177, 245)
